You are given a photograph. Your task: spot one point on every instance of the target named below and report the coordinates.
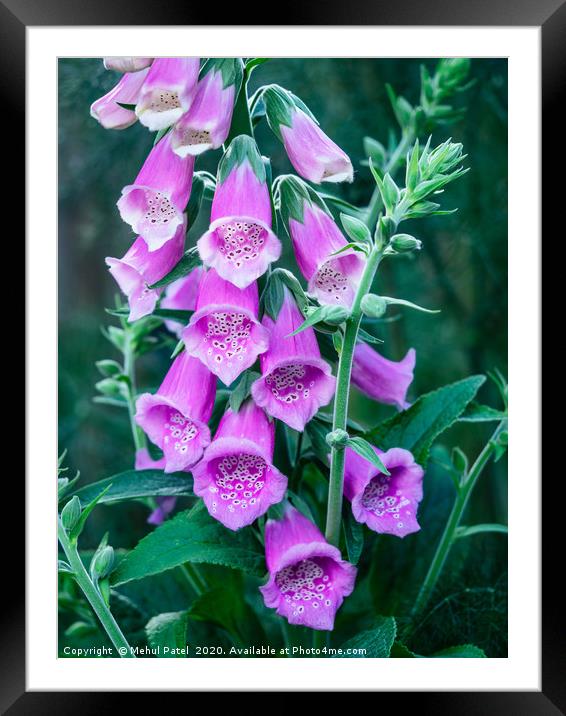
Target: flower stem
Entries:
(93, 595)
(340, 419)
(449, 534)
(129, 370)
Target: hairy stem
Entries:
(93, 595)
(449, 534)
(337, 456)
(129, 370)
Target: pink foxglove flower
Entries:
(139, 268)
(168, 91)
(239, 243)
(127, 64)
(308, 579)
(384, 380)
(153, 205)
(333, 280)
(236, 477)
(386, 503)
(175, 417)
(109, 113)
(314, 155)
(295, 380)
(207, 123)
(224, 332)
(181, 295)
(166, 504)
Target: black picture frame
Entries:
(550, 15)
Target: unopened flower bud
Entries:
(71, 513)
(102, 562)
(337, 438)
(403, 243)
(373, 306)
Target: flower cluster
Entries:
(191, 103)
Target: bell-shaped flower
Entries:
(154, 204)
(176, 417)
(308, 579)
(207, 123)
(127, 64)
(165, 504)
(181, 295)
(314, 155)
(168, 91)
(384, 380)
(224, 331)
(385, 503)
(236, 477)
(239, 243)
(295, 380)
(140, 268)
(332, 279)
(109, 113)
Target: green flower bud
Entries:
(102, 563)
(337, 438)
(403, 243)
(373, 306)
(70, 513)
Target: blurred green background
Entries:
(462, 268)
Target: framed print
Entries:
(275, 296)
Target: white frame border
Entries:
(521, 670)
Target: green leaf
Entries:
(418, 427)
(133, 484)
(109, 368)
(191, 536)
(363, 448)
(334, 315)
(366, 337)
(356, 229)
(465, 651)
(476, 413)
(353, 535)
(412, 173)
(78, 528)
(242, 390)
(375, 151)
(377, 641)
(163, 313)
(464, 531)
(168, 633)
(187, 263)
(390, 193)
(401, 302)
(400, 651)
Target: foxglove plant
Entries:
(381, 379)
(295, 380)
(168, 91)
(332, 268)
(140, 268)
(207, 123)
(108, 110)
(176, 417)
(236, 477)
(262, 478)
(239, 243)
(308, 579)
(313, 155)
(153, 205)
(224, 332)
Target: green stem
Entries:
(129, 370)
(337, 456)
(93, 595)
(241, 120)
(193, 578)
(449, 534)
(375, 203)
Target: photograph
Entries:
(282, 357)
